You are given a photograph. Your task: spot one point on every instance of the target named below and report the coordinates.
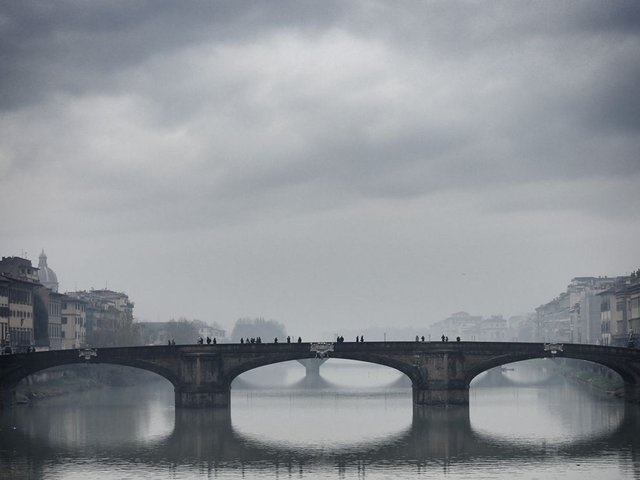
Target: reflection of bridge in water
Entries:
(208, 438)
(440, 373)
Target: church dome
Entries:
(46, 276)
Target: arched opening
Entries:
(546, 400)
(551, 371)
(524, 373)
(359, 399)
(333, 373)
(104, 404)
(355, 374)
(364, 401)
(274, 376)
(94, 384)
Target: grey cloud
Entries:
(322, 160)
(77, 47)
(481, 97)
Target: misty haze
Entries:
(321, 240)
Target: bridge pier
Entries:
(312, 366)
(202, 382)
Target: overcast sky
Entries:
(329, 165)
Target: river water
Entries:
(360, 425)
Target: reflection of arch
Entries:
(207, 437)
(435, 433)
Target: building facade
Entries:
(53, 304)
(55, 321)
(73, 322)
(4, 312)
(633, 303)
(614, 322)
(574, 316)
(620, 312)
(109, 317)
(21, 280)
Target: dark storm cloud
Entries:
(77, 46)
(252, 105)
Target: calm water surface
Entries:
(346, 430)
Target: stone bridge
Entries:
(440, 372)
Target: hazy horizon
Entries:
(329, 165)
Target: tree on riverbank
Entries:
(258, 327)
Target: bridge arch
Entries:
(629, 373)
(148, 367)
(259, 362)
(348, 372)
(15, 368)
